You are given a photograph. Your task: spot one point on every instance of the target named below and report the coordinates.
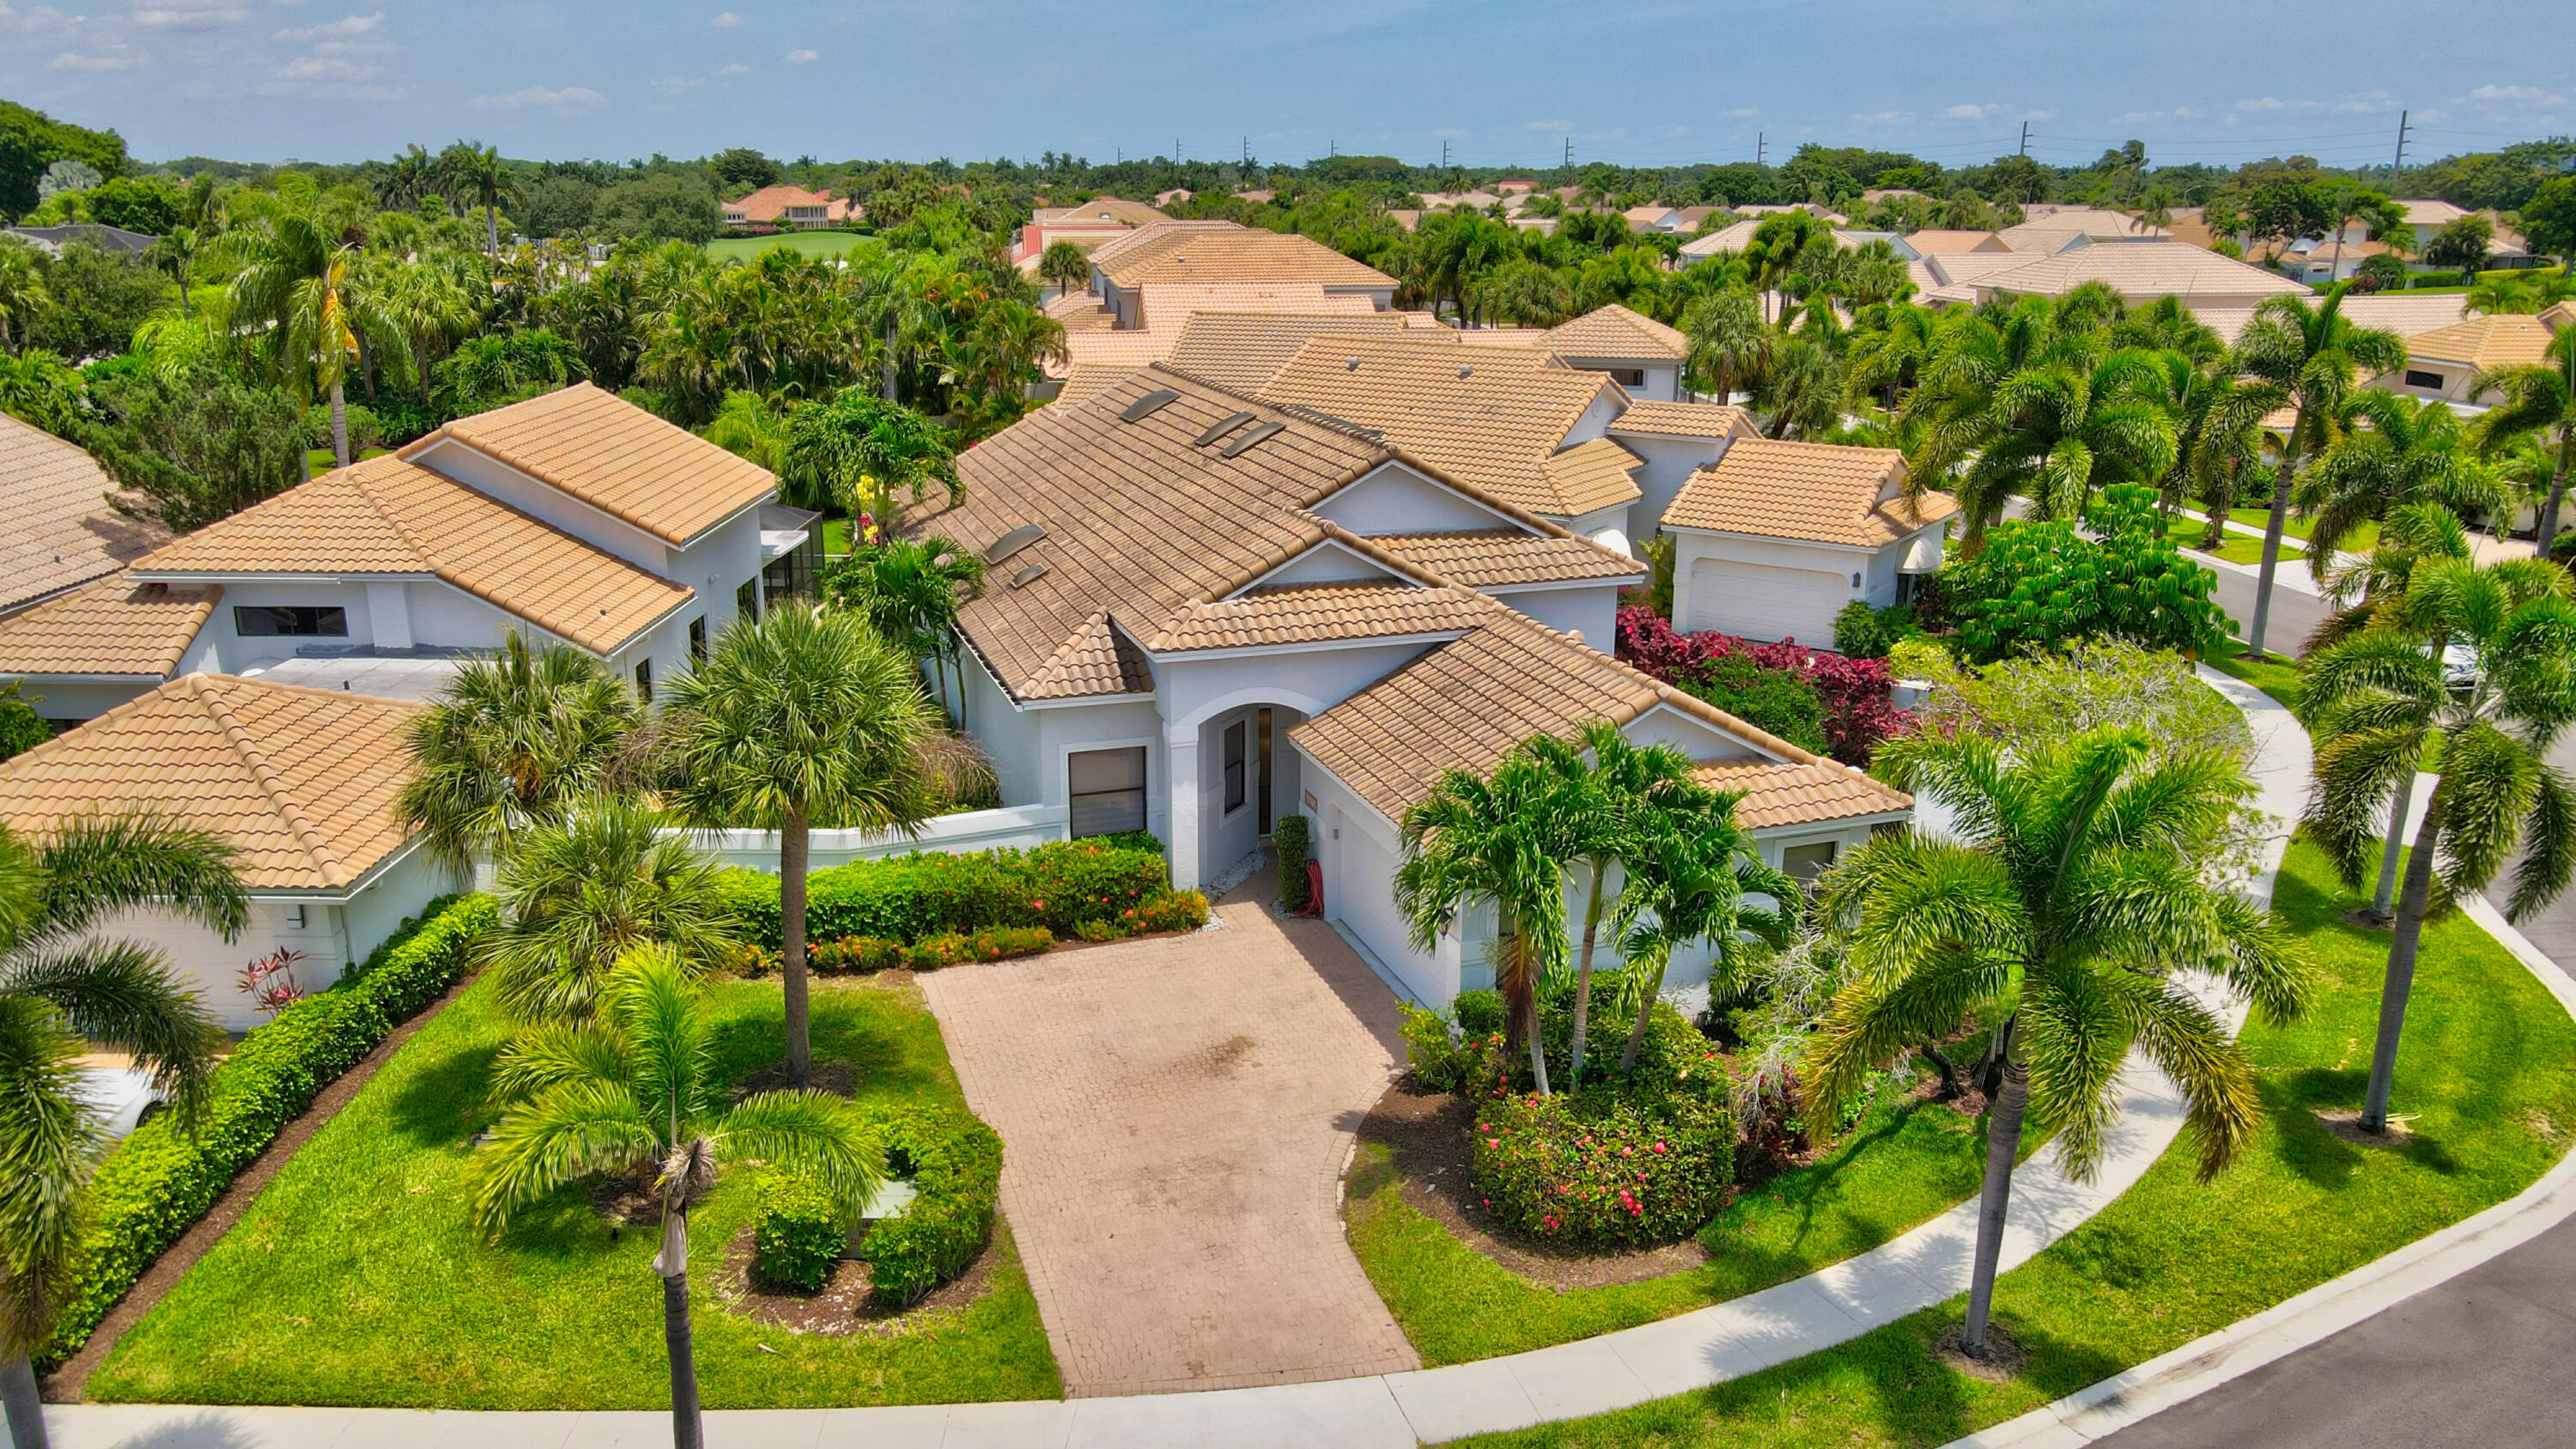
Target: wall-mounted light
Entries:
(1855, 581)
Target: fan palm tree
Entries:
(1486, 840)
(62, 988)
(579, 892)
(2073, 893)
(805, 718)
(859, 451)
(2539, 401)
(1066, 265)
(2390, 451)
(485, 178)
(508, 744)
(636, 1088)
(1730, 341)
(909, 590)
(1687, 886)
(2375, 702)
(1802, 389)
(2313, 354)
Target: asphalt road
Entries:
(2295, 614)
(2481, 1360)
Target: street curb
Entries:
(2214, 1359)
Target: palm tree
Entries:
(509, 743)
(1886, 361)
(2375, 702)
(64, 988)
(427, 302)
(2054, 431)
(2073, 892)
(1802, 390)
(1730, 342)
(2311, 353)
(636, 1088)
(177, 250)
(485, 177)
(329, 311)
(2391, 451)
(1488, 840)
(805, 718)
(859, 451)
(294, 300)
(22, 290)
(2540, 398)
(578, 893)
(909, 590)
(1686, 886)
(1066, 265)
(751, 425)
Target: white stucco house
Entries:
(300, 783)
(1205, 611)
(2442, 364)
(1774, 538)
(1645, 357)
(572, 517)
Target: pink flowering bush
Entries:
(1597, 1169)
(1858, 710)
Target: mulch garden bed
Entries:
(847, 1304)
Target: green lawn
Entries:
(354, 1279)
(2268, 674)
(1905, 1162)
(2189, 529)
(811, 243)
(2361, 540)
(2488, 1071)
(322, 460)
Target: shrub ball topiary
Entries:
(796, 1237)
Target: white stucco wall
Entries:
(1663, 380)
(393, 896)
(1395, 499)
(1591, 610)
(1668, 465)
(1814, 627)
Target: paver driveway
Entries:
(1175, 1117)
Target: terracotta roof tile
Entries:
(1486, 558)
(1818, 492)
(1167, 306)
(1592, 475)
(1683, 420)
(2137, 269)
(390, 517)
(61, 530)
(1616, 332)
(1098, 659)
(1101, 208)
(113, 626)
(616, 457)
(1225, 252)
(1780, 793)
(1081, 312)
(1243, 350)
(2485, 342)
(1311, 613)
(299, 782)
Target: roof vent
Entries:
(1027, 575)
(1225, 426)
(1465, 371)
(1352, 364)
(1251, 440)
(1012, 542)
(1148, 405)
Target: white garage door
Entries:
(1367, 908)
(1759, 601)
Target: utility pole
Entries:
(1569, 158)
(1761, 146)
(2400, 163)
(1247, 148)
(2025, 138)
(1176, 150)
(1444, 155)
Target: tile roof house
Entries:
(300, 783)
(63, 531)
(1209, 610)
(573, 516)
(1776, 537)
(1201, 253)
(1098, 354)
(2140, 271)
(1642, 355)
(791, 205)
(2443, 362)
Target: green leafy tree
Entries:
(1802, 389)
(1487, 841)
(909, 590)
(2378, 700)
(511, 742)
(2043, 584)
(97, 300)
(2382, 272)
(1522, 293)
(38, 388)
(2549, 219)
(578, 891)
(752, 426)
(2465, 243)
(65, 987)
(636, 1089)
(860, 451)
(23, 294)
(198, 442)
(805, 718)
(2073, 893)
(2539, 402)
(1776, 246)
(741, 168)
(21, 728)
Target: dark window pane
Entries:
(2423, 379)
(1234, 774)
(1107, 790)
(273, 621)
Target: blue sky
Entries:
(1503, 82)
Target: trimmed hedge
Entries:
(1161, 911)
(1294, 845)
(955, 1163)
(929, 893)
(796, 1237)
(156, 1183)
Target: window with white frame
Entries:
(1107, 790)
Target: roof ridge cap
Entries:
(291, 810)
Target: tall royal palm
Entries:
(508, 744)
(2376, 701)
(909, 590)
(479, 172)
(1485, 840)
(2314, 354)
(806, 718)
(63, 988)
(636, 1087)
(2539, 401)
(295, 301)
(2072, 894)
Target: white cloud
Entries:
(568, 98)
(2265, 103)
(185, 14)
(803, 57)
(1549, 126)
(70, 60)
(726, 21)
(1884, 118)
(1974, 112)
(2517, 95)
(344, 29)
(737, 68)
(1740, 112)
(672, 85)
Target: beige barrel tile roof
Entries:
(1593, 475)
(1151, 237)
(301, 783)
(2138, 269)
(1165, 306)
(1487, 558)
(616, 457)
(1243, 350)
(61, 530)
(1081, 312)
(114, 626)
(1098, 659)
(2485, 342)
(1814, 492)
(1941, 242)
(1311, 613)
(391, 517)
(1683, 420)
(1224, 252)
(1780, 793)
(1490, 415)
(1615, 331)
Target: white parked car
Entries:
(121, 1097)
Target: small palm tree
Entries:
(635, 1088)
(1687, 886)
(2375, 702)
(579, 892)
(2073, 894)
(909, 590)
(2392, 451)
(1066, 265)
(63, 988)
(805, 718)
(1487, 839)
(1730, 341)
(509, 743)
(2539, 401)
(750, 425)
(859, 451)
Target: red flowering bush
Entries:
(1164, 910)
(1596, 1169)
(1858, 710)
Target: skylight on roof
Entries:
(1148, 405)
(1224, 426)
(1251, 440)
(1013, 541)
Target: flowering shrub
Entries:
(1858, 711)
(927, 893)
(753, 960)
(1160, 911)
(853, 953)
(796, 1237)
(1596, 1169)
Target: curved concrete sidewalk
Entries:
(1924, 1267)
